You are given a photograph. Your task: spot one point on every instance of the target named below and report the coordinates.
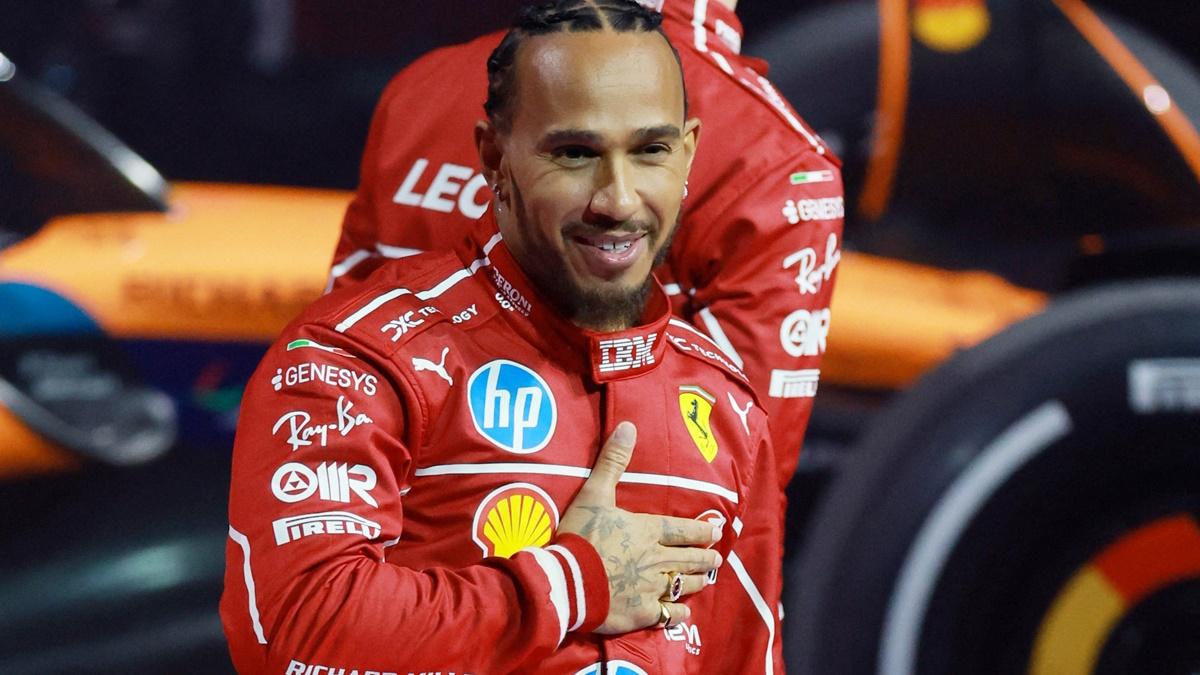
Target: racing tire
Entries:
(1031, 506)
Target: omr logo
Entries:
(512, 406)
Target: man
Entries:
(407, 447)
(753, 263)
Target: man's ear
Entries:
(691, 138)
(487, 143)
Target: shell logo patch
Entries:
(696, 406)
(513, 517)
(951, 25)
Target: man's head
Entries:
(588, 147)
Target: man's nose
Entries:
(616, 195)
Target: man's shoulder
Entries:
(730, 91)
(694, 344)
(467, 59)
(402, 299)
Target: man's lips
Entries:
(609, 254)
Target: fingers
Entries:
(614, 456)
(679, 613)
(693, 583)
(688, 560)
(688, 532)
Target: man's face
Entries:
(594, 166)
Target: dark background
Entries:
(281, 91)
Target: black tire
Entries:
(966, 512)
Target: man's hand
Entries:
(639, 550)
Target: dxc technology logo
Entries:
(512, 406)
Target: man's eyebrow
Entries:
(564, 136)
(660, 131)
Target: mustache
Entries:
(581, 229)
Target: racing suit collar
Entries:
(607, 356)
(718, 27)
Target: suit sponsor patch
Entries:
(512, 406)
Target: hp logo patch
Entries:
(512, 406)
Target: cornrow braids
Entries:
(562, 16)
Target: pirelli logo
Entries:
(626, 353)
(328, 522)
(794, 383)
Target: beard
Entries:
(602, 309)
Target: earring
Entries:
(685, 190)
(497, 192)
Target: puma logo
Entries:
(420, 364)
(741, 412)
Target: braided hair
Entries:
(561, 16)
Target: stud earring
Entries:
(685, 190)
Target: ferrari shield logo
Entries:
(696, 406)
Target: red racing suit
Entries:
(753, 262)
(407, 447)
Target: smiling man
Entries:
(481, 507)
(590, 167)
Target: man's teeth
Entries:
(616, 246)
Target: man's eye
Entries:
(574, 153)
(656, 149)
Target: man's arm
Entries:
(318, 472)
(750, 583)
(768, 299)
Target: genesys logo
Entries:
(452, 186)
(333, 482)
(334, 376)
(327, 522)
(825, 208)
(301, 432)
(803, 333)
(513, 517)
(811, 275)
(300, 668)
(512, 406)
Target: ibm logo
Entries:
(626, 353)
(512, 406)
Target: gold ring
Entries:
(664, 615)
(674, 587)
